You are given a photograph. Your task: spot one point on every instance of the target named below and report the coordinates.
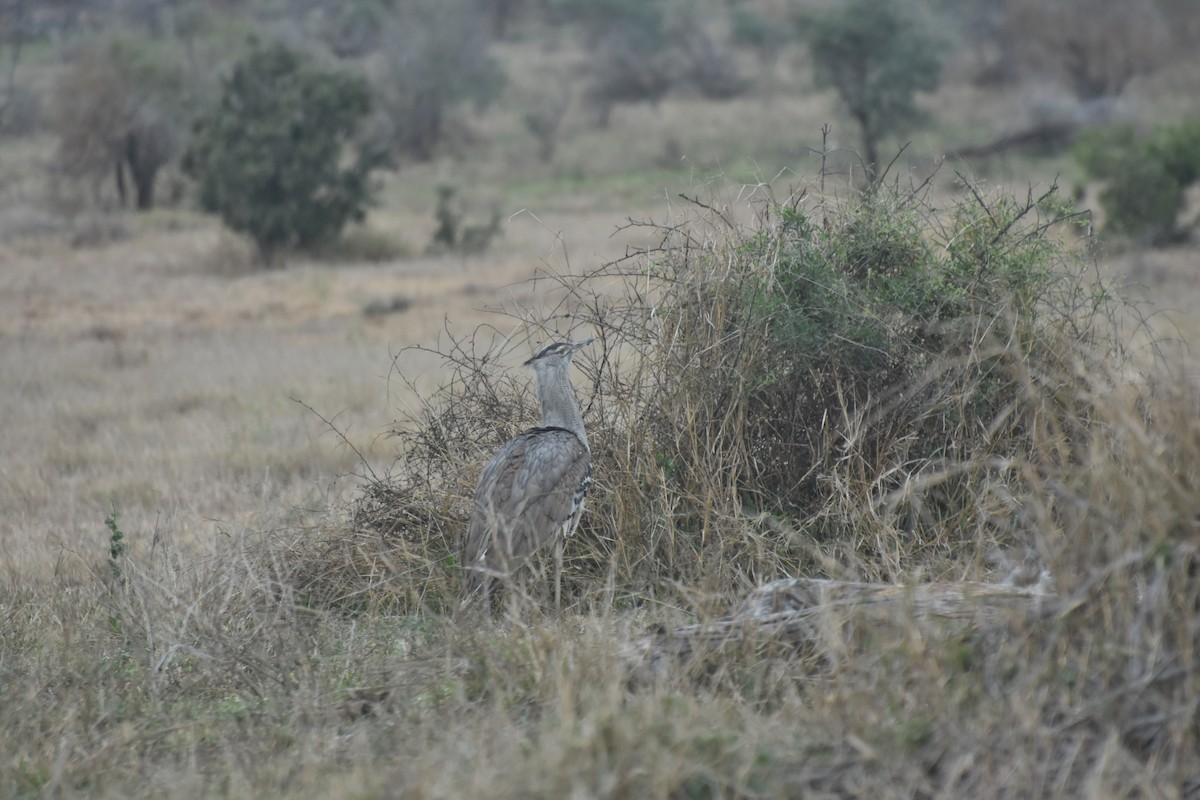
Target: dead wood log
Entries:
(794, 611)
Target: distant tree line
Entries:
(148, 81)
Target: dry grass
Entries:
(216, 675)
(330, 658)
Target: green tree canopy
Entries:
(876, 57)
(269, 155)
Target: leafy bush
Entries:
(876, 56)
(829, 359)
(1146, 177)
(269, 156)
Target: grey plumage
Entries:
(532, 491)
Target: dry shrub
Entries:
(850, 389)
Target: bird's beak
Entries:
(582, 343)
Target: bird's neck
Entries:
(559, 407)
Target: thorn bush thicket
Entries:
(809, 379)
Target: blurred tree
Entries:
(354, 28)
(708, 61)
(633, 58)
(453, 234)
(1094, 47)
(435, 57)
(14, 29)
(876, 57)
(117, 111)
(874, 54)
(269, 156)
(546, 113)
(767, 37)
(503, 12)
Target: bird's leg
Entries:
(558, 558)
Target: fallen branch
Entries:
(1047, 136)
(792, 612)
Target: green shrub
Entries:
(868, 327)
(269, 156)
(1145, 176)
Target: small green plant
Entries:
(116, 543)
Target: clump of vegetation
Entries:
(1146, 177)
(269, 158)
(631, 57)
(435, 60)
(544, 120)
(802, 375)
(767, 37)
(364, 244)
(116, 542)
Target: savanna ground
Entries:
(251, 635)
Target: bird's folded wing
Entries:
(527, 493)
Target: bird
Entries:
(532, 491)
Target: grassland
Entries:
(227, 421)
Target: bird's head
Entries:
(557, 352)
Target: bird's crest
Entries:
(559, 349)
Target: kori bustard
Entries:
(532, 491)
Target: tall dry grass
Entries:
(739, 435)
